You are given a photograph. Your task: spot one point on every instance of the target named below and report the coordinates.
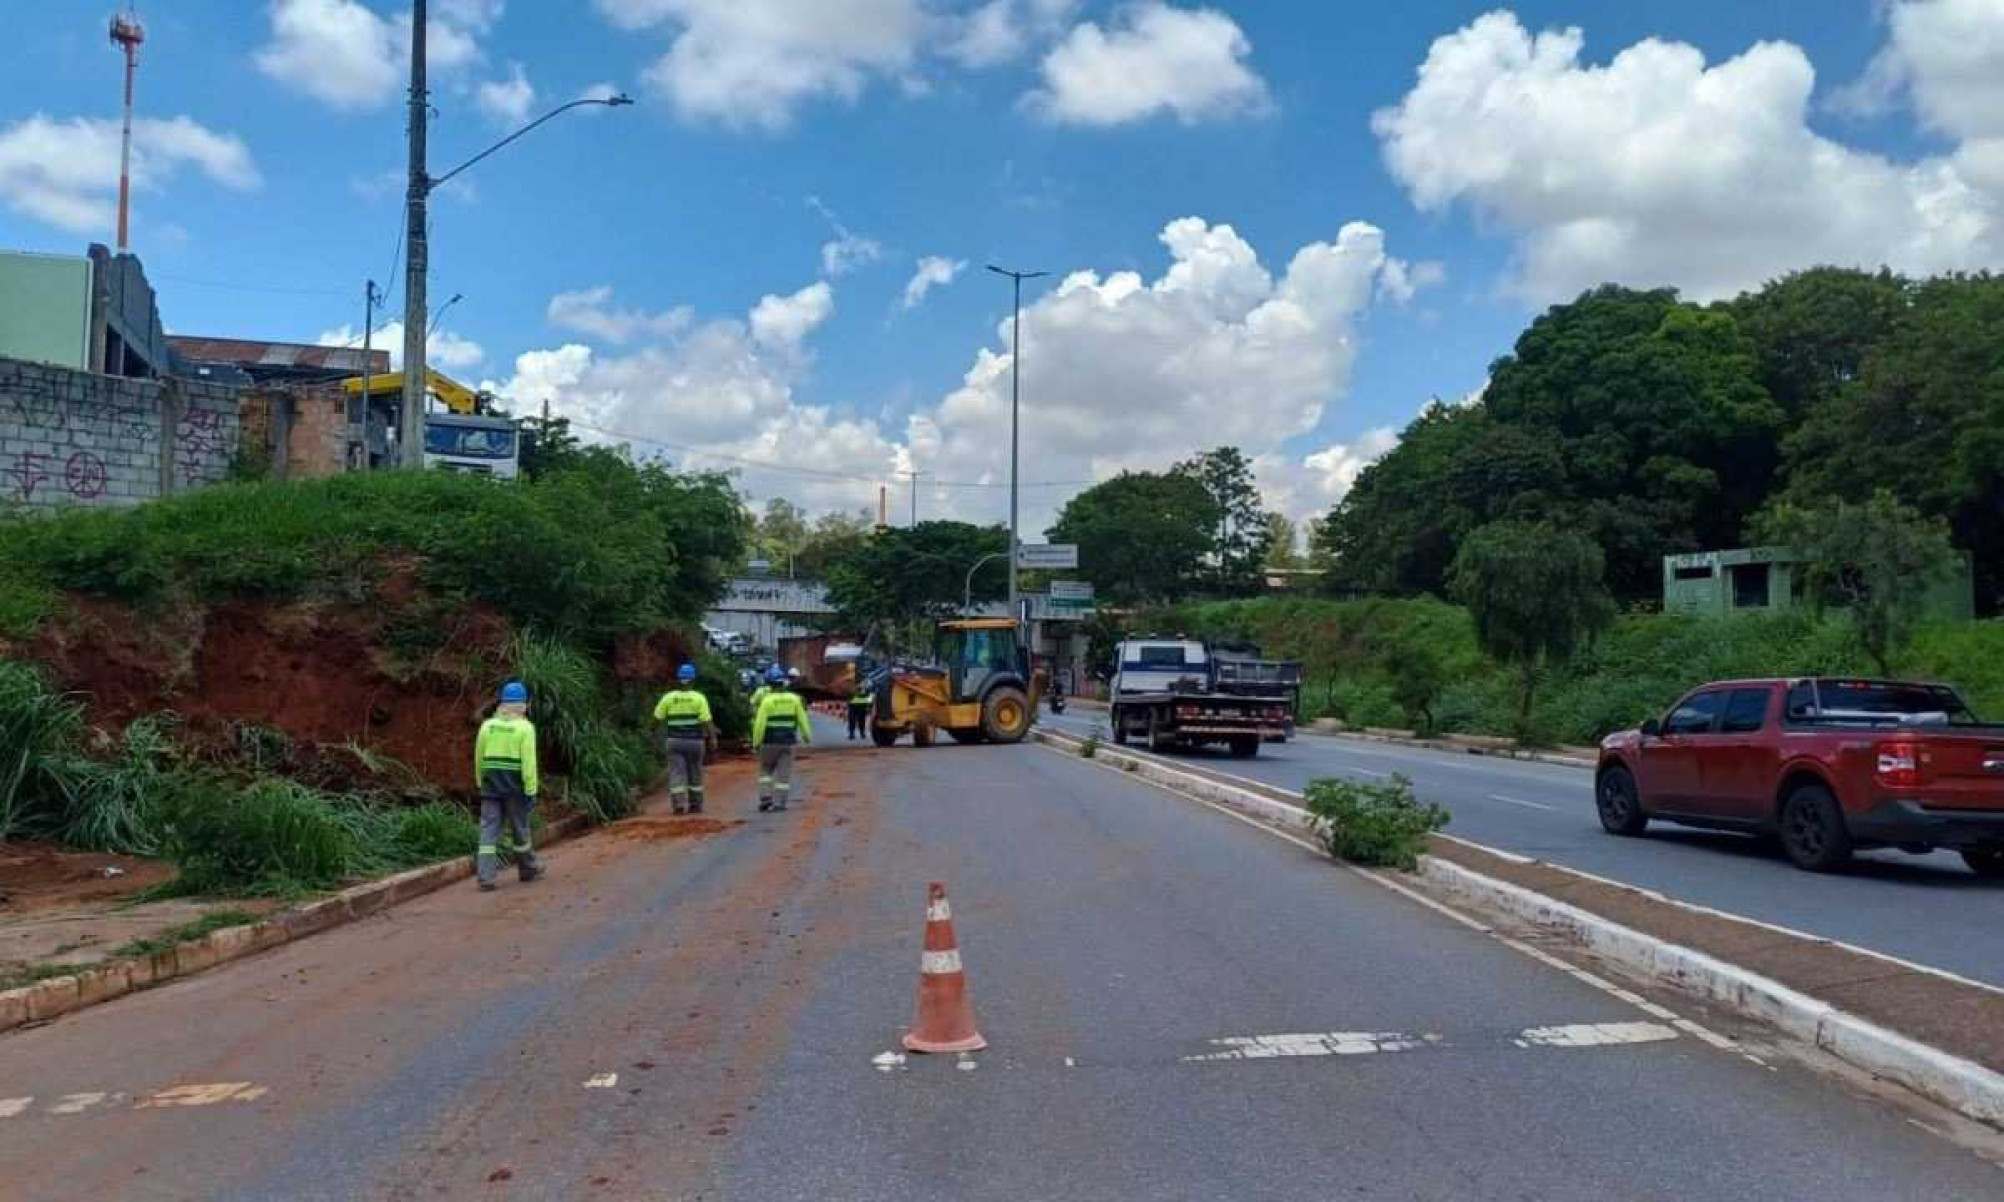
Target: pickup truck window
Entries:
(1873, 703)
(1695, 715)
(1158, 656)
(1746, 712)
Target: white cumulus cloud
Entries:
(1153, 59)
(590, 311)
(1000, 31)
(1659, 168)
(753, 63)
(782, 323)
(506, 100)
(443, 349)
(65, 171)
(348, 55)
(934, 271)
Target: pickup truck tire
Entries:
(1619, 805)
(1813, 832)
(1245, 747)
(1158, 734)
(1986, 862)
(1118, 721)
(1005, 716)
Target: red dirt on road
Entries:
(40, 876)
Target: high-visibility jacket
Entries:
(759, 694)
(684, 712)
(862, 696)
(781, 718)
(506, 745)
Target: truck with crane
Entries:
(468, 437)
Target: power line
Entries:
(235, 287)
(818, 473)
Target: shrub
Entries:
(271, 837)
(39, 730)
(1376, 824)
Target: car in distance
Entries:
(1828, 765)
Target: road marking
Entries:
(9, 1107)
(203, 1095)
(1695, 1030)
(1594, 1035)
(1518, 801)
(967, 1063)
(76, 1103)
(602, 1081)
(886, 1062)
(1318, 1043)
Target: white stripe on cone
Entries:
(940, 963)
(938, 911)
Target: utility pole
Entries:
(1015, 413)
(369, 299)
(410, 429)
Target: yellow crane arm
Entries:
(454, 395)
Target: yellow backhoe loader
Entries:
(980, 693)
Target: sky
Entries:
(1284, 225)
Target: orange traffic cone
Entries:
(945, 1021)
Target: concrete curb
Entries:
(1963, 1085)
(56, 996)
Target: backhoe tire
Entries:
(921, 736)
(1005, 716)
(884, 736)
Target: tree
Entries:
(547, 446)
(1536, 594)
(1879, 559)
(779, 534)
(1924, 418)
(1142, 536)
(1283, 543)
(1813, 330)
(1417, 670)
(911, 575)
(1395, 531)
(1241, 537)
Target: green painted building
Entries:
(1761, 579)
(45, 308)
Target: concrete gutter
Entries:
(1966, 1086)
(56, 996)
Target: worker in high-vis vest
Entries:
(780, 724)
(684, 714)
(859, 709)
(504, 766)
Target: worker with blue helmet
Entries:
(504, 768)
(690, 732)
(779, 723)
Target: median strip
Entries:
(1939, 1035)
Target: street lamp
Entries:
(418, 192)
(1015, 405)
(967, 589)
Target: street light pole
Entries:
(967, 589)
(1015, 409)
(416, 252)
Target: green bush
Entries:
(1376, 824)
(271, 837)
(39, 730)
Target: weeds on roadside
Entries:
(187, 932)
(1089, 746)
(1381, 825)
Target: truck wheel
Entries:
(1813, 832)
(1245, 747)
(1620, 809)
(884, 736)
(1158, 733)
(1005, 716)
(1118, 721)
(1986, 862)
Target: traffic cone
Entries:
(945, 1021)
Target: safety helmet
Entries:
(686, 673)
(514, 693)
(793, 673)
(775, 675)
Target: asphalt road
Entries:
(680, 1017)
(1929, 909)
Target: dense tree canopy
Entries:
(915, 574)
(1656, 426)
(1239, 542)
(1142, 536)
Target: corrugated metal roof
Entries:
(247, 352)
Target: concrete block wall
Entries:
(76, 438)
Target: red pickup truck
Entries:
(1828, 765)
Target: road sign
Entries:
(1047, 556)
(1071, 590)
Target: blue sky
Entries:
(1511, 168)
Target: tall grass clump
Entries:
(39, 730)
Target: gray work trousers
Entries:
(510, 806)
(775, 774)
(685, 775)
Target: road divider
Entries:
(1936, 1034)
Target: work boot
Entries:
(487, 886)
(678, 809)
(530, 872)
(764, 804)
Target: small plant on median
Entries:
(1376, 824)
(1090, 747)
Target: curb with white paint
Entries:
(1963, 1085)
(56, 996)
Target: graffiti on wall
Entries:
(201, 447)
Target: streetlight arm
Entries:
(609, 101)
(967, 590)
